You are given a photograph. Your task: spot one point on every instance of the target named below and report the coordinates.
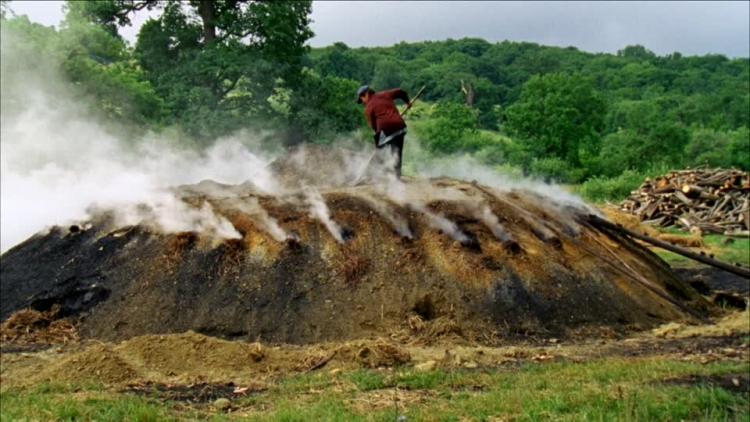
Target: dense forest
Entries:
(209, 69)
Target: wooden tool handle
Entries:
(413, 100)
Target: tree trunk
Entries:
(206, 9)
(468, 93)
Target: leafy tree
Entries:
(91, 59)
(452, 127)
(327, 107)
(558, 115)
(340, 60)
(388, 75)
(719, 149)
(636, 51)
(5, 9)
(216, 63)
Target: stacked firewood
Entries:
(712, 200)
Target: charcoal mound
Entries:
(487, 263)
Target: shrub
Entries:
(599, 189)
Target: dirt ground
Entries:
(198, 368)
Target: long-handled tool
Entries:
(364, 170)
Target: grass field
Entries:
(737, 251)
(635, 389)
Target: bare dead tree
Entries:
(468, 92)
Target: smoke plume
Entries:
(59, 162)
(319, 211)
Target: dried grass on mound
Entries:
(382, 354)
(353, 267)
(178, 244)
(433, 329)
(30, 326)
(687, 241)
(629, 221)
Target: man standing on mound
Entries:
(385, 119)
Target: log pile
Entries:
(712, 200)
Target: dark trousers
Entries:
(395, 147)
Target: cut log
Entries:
(700, 195)
(682, 198)
(739, 270)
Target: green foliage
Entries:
(559, 116)
(718, 148)
(5, 9)
(339, 60)
(216, 64)
(552, 169)
(600, 189)
(327, 107)
(95, 63)
(388, 75)
(452, 127)
(366, 379)
(208, 69)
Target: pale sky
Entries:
(689, 27)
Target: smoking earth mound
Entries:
(326, 263)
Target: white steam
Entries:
(399, 193)
(319, 211)
(493, 223)
(468, 168)
(252, 207)
(58, 162)
(398, 223)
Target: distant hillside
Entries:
(709, 90)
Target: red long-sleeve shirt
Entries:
(382, 113)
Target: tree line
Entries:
(208, 69)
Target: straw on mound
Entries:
(687, 241)
(629, 221)
(30, 326)
(382, 355)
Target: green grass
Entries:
(738, 251)
(367, 380)
(65, 402)
(607, 389)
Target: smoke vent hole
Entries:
(726, 300)
(347, 234)
(490, 263)
(555, 242)
(293, 240)
(512, 246)
(471, 242)
(425, 308)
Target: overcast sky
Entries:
(689, 27)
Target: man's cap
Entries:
(361, 89)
